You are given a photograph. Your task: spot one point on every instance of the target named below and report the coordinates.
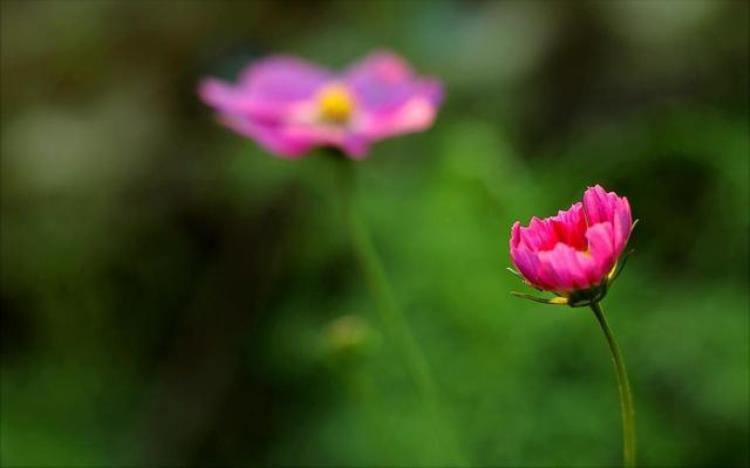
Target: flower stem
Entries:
(623, 385)
(394, 321)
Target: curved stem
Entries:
(623, 385)
(394, 320)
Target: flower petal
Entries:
(390, 98)
(283, 79)
(567, 268)
(381, 79)
(527, 263)
(525, 260)
(276, 139)
(597, 206)
(415, 114)
(230, 99)
(569, 226)
(538, 235)
(623, 224)
(550, 276)
(602, 249)
(515, 235)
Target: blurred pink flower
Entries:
(290, 106)
(576, 250)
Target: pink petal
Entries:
(383, 82)
(354, 145)
(391, 100)
(602, 249)
(281, 79)
(382, 67)
(589, 268)
(415, 114)
(566, 268)
(276, 139)
(556, 269)
(623, 223)
(538, 236)
(570, 226)
(524, 260)
(229, 99)
(527, 264)
(267, 90)
(550, 276)
(515, 235)
(596, 205)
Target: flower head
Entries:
(575, 253)
(290, 106)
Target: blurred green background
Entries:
(172, 295)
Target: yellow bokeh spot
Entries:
(335, 103)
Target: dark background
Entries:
(171, 294)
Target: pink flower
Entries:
(290, 106)
(574, 254)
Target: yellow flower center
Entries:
(335, 103)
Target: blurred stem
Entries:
(395, 322)
(623, 385)
(363, 394)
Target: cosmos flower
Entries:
(575, 253)
(290, 106)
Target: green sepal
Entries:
(586, 297)
(557, 300)
(520, 276)
(632, 226)
(515, 273)
(618, 269)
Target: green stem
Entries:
(393, 319)
(623, 385)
